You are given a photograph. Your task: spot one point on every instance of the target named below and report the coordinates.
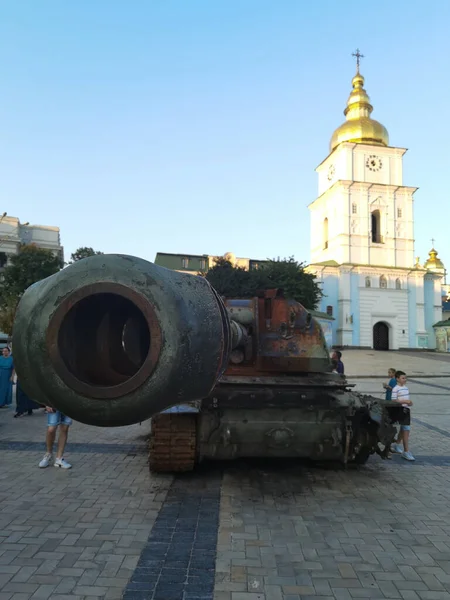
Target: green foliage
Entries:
(8, 313)
(30, 265)
(83, 252)
(287, 274)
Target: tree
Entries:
(287, 274)
(83, 252)
(7, 313)
(291, 277)
(228, 280)
(30, 265)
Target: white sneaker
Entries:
(62, 463)
(408, 456)
(397, 449)
(45, 461)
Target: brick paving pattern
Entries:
(287, 531)
(178, 561)
(74, 534)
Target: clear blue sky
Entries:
(195, 126)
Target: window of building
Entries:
(330, 311)
(398, 284)
(368, 282)
(3, 259)
(376, 227)
(399, 213)
(383, 282)
(354, 209)
(185, 263)
(325, 233)
(202, 264)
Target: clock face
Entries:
(374, 163)
(331, 172)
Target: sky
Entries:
(195, 126)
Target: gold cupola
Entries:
(359, 127)
(434, 263)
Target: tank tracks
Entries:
(173, 442)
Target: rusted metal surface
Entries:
(285, 338)
(173, 443)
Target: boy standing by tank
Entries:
(402, 414)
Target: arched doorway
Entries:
(380, 336)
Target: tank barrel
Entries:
(112, 339)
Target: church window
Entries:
(325, 233)
(398, 284)
(368, 282)
(354, 209)
(376, 227)
(330, 311)
(399, 213)
(185, 263)
(383, 282)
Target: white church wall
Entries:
(329, 284)
(387, 306)
(429, 309)
(356, 281)
(413, 313)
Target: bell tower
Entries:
(363, 214)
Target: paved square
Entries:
(286, 531)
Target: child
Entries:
(391, 384)
(402, 414)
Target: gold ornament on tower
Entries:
(434, 263)
(359, 128)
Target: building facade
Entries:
(13, 234)
(362, 240)
(196, 263)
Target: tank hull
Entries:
(310, 420)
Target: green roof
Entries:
(445, 323)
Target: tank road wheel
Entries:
(173, 442)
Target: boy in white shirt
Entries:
(402, 414)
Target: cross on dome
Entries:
(358, 57)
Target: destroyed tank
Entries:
(114, 340)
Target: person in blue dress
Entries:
(6, 378)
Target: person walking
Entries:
(6, 378)
(56, 419)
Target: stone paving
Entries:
(79, 533)
(107, 529)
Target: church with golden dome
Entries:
(362, 239)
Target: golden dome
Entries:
(434, 263)
(359, 127)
